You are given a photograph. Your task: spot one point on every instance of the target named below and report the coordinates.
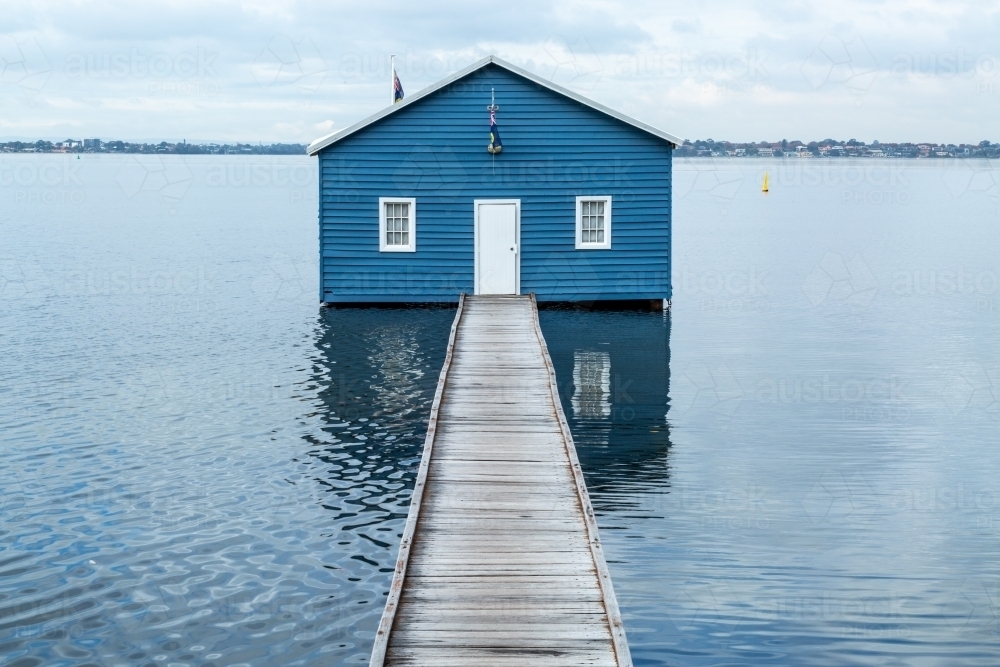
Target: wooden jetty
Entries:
(500, 562)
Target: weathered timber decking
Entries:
(500, 562)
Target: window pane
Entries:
(592, 221)
(397, 223)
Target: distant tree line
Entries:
(836, 148)
(182, 148)
(696, 148)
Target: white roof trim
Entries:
(331, 139)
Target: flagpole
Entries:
(392, 79)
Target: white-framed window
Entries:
(593, 222)
(397, 224)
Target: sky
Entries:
(293, 71)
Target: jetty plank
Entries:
(500, 561)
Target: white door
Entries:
(497, 248)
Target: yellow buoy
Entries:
(765, 188)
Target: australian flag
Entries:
(495, 144)
(397, 88)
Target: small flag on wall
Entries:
(495, 144)
(397, 88)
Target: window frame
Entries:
(412, 245)
(606, 244)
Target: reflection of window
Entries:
(591, 385)
(397, 225)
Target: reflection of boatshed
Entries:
(613, 370)
(576, 207)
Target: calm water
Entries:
(799, 466)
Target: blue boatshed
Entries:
(576, 205)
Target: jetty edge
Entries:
(500, 560)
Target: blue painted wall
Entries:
(554, 149)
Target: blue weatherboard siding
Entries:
(554, 150)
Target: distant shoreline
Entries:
(842, 158)
(701, 148)
(832, 148)
(162, 148)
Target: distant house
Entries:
(575, 207)
(765, 152)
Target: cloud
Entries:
(238, 70)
